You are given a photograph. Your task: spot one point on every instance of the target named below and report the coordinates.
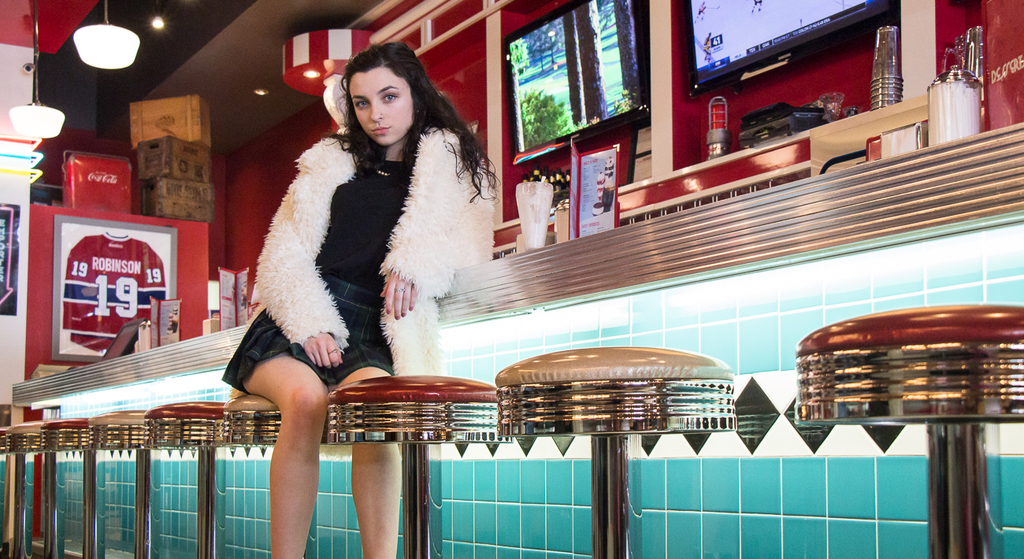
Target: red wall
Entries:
(257, 177)
(192, 258)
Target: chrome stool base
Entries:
(954, 369)
(615, 395)
(415, 411)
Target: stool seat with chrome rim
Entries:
(416, 410)
(23, 439)
(611, 393)
(118, 431)
(59, 435)
(195, 426)
(955, 369)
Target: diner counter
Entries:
(962, 186)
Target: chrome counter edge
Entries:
(196, 354)
(955, 187)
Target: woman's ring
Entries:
(400, 290)
(335, 350)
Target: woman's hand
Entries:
(323, 350)
(399, 296)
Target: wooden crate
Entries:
(178, 199)
(186, 118)
(169, 157)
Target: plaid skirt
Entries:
(359, 308)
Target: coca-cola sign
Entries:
(108, 178)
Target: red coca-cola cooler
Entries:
(97, 182)
(1004, 62)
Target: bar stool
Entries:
(955, 369)
(610, 393)
(195, 426)
(23, 439)
(417, 411)
(117, 431)
(59, 435)
(251, 421)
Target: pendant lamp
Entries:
(36, 120)
(106, 46)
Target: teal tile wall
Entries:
(765, 505)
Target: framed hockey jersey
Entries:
(104, 274)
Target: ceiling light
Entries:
(36, 120)
(260, 92)
(106, 46)
(157, 22)
(311, 74)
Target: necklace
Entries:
(383, 174)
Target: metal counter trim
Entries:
(962, 185)
(189, 356)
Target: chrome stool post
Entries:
(119, 431)
(23, 440)
(61, 435)
(954, 369)
(614, 394)
(417, 411)
(195, 426)
(254, 421)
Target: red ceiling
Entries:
(58, 19)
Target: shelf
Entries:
(851, 134)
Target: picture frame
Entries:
(104, 273)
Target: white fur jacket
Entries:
(440, 231)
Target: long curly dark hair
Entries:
(431, 110)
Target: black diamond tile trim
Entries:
(813, 435)
(696, 440)
(562, 442)
(648, 442)
(461, 447)
(755, 415)
(883, 435)
(492, 448)
(526, 443)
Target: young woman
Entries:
(367, 238)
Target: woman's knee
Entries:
(305, 403)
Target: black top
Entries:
(364, 211)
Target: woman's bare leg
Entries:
(295, 464)
(376, 488)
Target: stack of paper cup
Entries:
(886, 74)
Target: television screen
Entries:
(578, 68)
(734, 37)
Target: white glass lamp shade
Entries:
(106, 46)
(36, 121)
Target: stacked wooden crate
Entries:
(172, 138)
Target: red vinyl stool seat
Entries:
(953, 368)
(415, 410)
(195, 426)
(117, 431)
(614, 394)
(23, 439)
(59, 435)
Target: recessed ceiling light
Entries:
(260, 92)
(157, 22)
(311, 74)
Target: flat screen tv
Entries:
(577, 70)
(731, 39)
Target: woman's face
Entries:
(384, 106)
